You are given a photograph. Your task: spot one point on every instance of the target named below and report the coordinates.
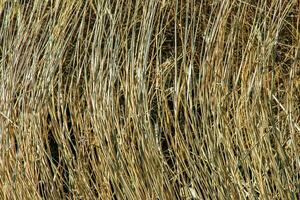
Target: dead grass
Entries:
(149, 99)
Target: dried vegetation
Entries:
(156, 99)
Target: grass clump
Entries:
(149, 99)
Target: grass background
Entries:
(137, 99)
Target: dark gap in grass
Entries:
(57, 157)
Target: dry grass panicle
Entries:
(137, 99)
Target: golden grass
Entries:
(149, 99)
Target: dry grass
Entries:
(149, 99)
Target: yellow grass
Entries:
(157, 99)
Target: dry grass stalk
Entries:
(149, 99)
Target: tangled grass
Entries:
(156, 99)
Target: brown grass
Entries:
(136, 99)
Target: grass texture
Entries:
(156, 99)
